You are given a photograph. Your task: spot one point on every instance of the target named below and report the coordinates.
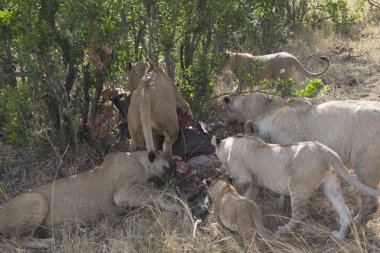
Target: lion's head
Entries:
(135, 72)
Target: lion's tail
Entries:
(146, 121)
(249, 128)
(338, 166)
(304, 71)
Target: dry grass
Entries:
(149, 229)
(355, 73)
(355, 69)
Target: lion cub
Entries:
(292, 169)
(235, 212)
(119, 182)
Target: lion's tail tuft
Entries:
(151, 156)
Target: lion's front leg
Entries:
(139, 195)
(252, 191)
(246, 187)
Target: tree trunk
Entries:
(170, 67)
(100, 77)
(86, 97)
(9, 68)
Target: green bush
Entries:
(340, 15)
(313, 88)
(248, 78)
(198, 87)
(15, 114)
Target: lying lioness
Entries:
(349, 127)
(237, 213)
(119, 182)
(293, 169)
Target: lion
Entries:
(268, 67)
(120, 181)
(236, 212)
(153, 109)
(240, 108)
(295, 169)
(349, 127)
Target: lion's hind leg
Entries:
(22, 216)
(333, 191)
(368, 172)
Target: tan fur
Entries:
(136, 72)
(237, 213)
(119, 182)
(290, 169)
(153, 107)
(351, 128)
(242, 108)
(279, 65)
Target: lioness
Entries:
(290, 169)
(237, 213)
(119, 182)
(241, 108)
(153, 110)
(351, 128)
(279, 65)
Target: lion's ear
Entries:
(151, 63)
(208, 182)
(151, 156)
(250, 128)
(129, 67)
(229, 179)
(215, 141)
(227, 100)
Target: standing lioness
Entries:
(119, 182)
(351, 128)
(279, 65)
(153, 108)
(293, 169)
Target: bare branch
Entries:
(20, 74)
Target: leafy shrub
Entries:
(249, 77)
(313, 88)
(15, 114)
(199, 85)
(342, 18)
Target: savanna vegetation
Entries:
(58, 56)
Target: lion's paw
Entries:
(338, 235)
(282, 230)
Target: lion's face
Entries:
(159, 164)
(135, 72)
(220, 150)
(215, 187)
(225, 112)
(226, 79)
